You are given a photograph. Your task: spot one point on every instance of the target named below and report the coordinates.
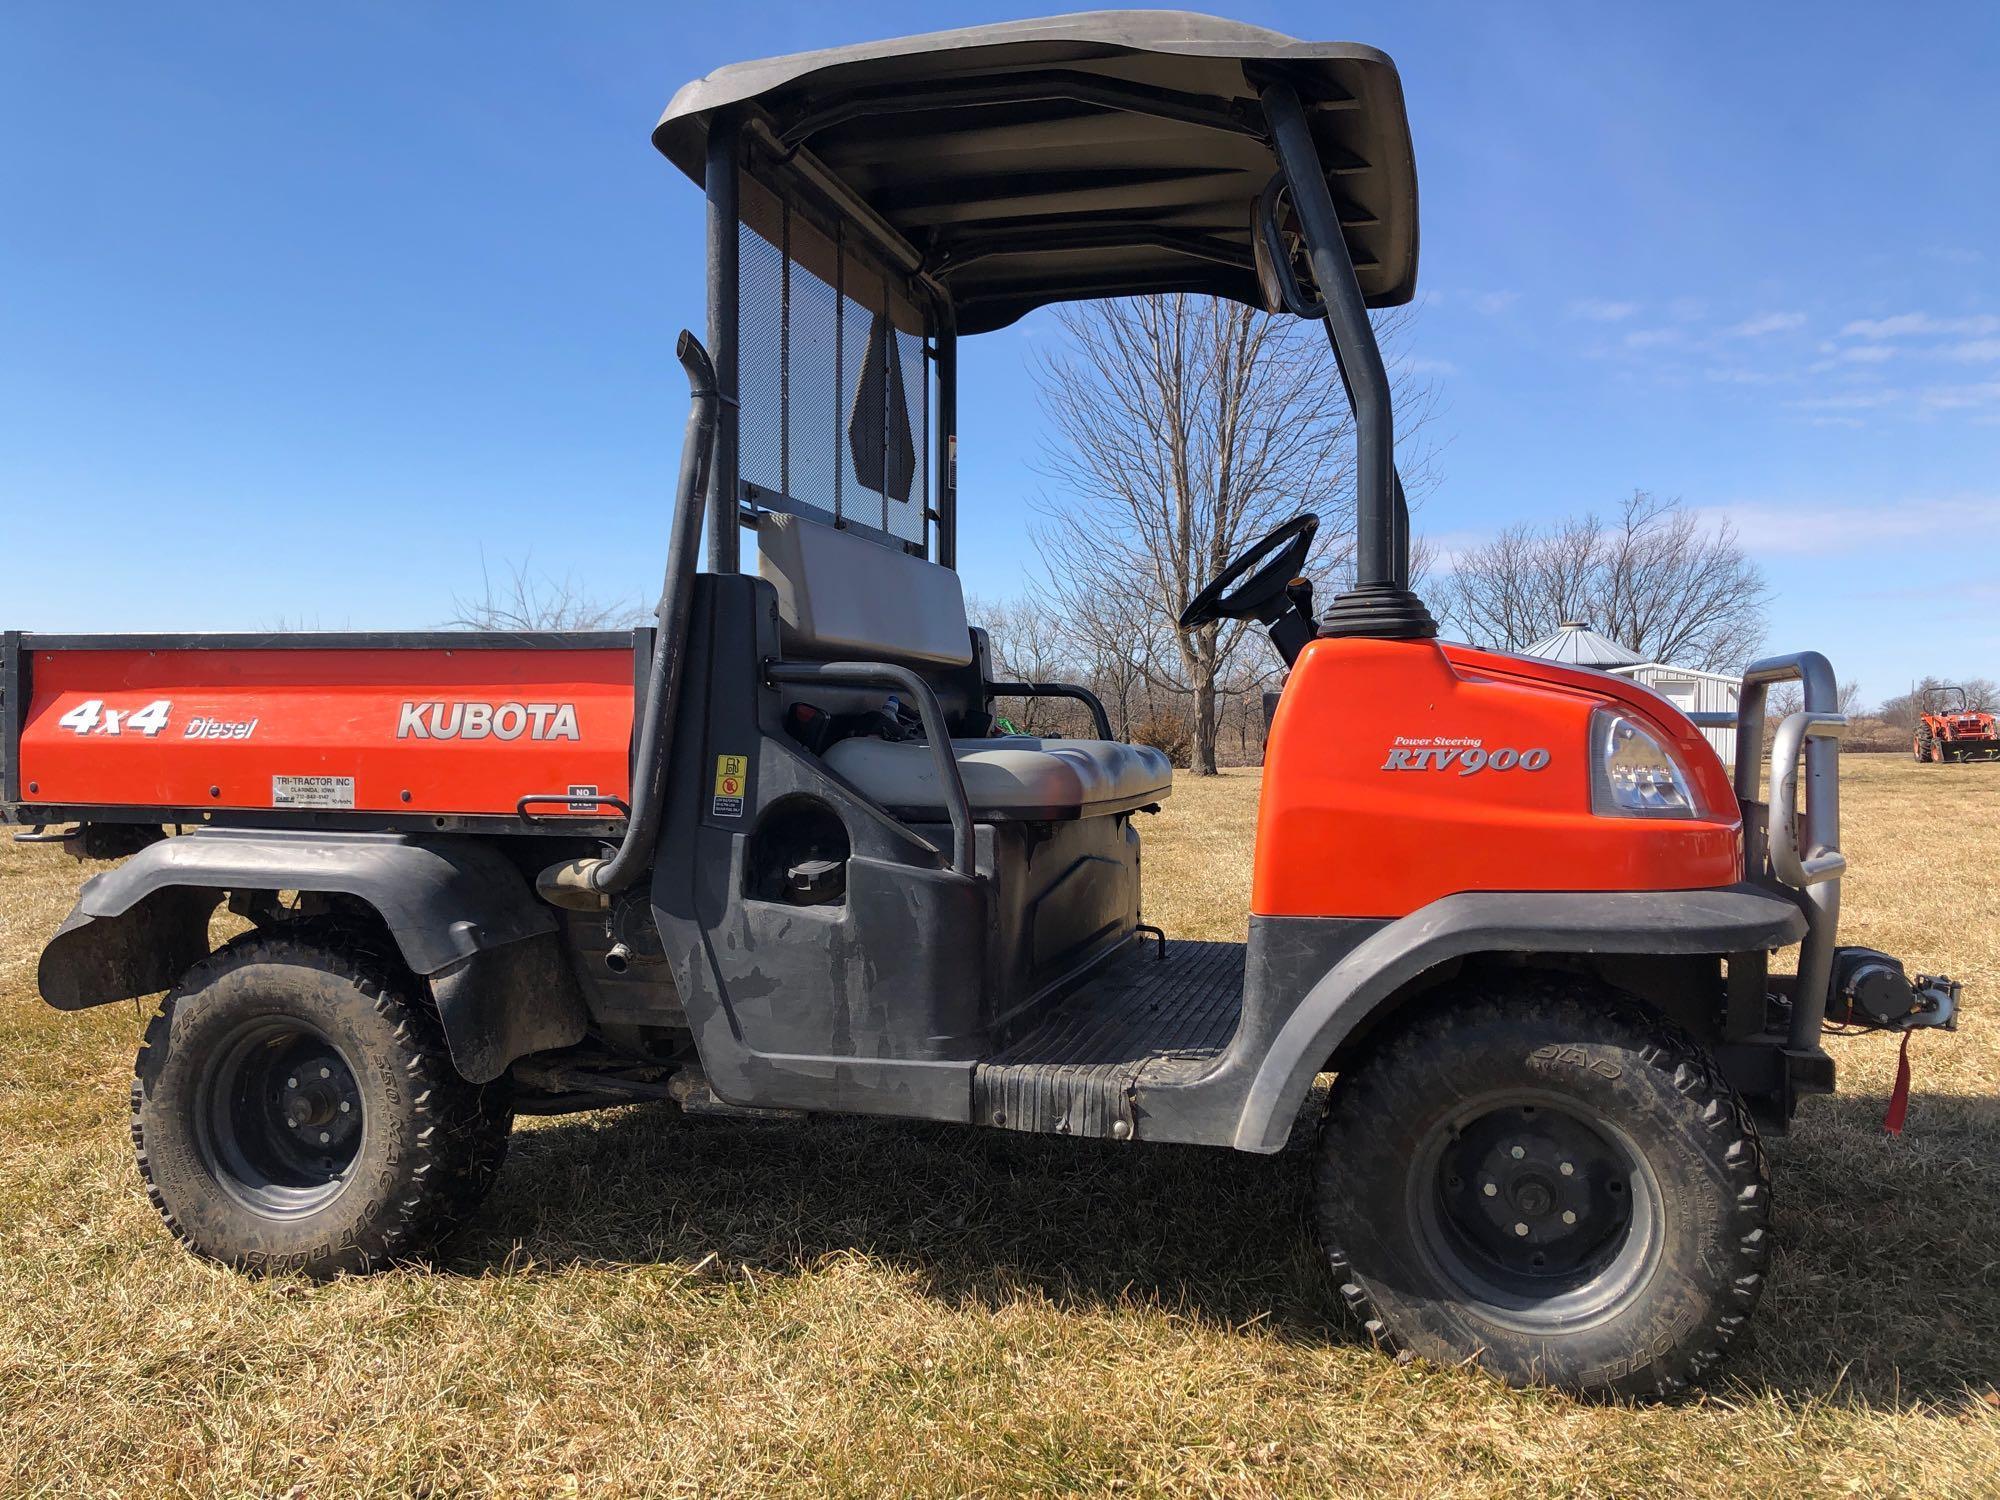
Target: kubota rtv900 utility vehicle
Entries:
(769, 854)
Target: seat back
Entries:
(842, 596)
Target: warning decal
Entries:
(312, 791)
(731, 772)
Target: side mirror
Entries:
(1277, 272)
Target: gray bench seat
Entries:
(1015, 776)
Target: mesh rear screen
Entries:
(833, 379)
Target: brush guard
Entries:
(1797, 844)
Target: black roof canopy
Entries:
(1090, 155)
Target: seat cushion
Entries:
(1013, 776)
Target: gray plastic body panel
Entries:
(461, 915)
(444, 899)
(883, 1000)
(1219, 1044)
(1272, 1074)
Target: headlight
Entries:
(1632, 774)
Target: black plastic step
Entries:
(1158, 1020)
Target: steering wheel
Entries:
(1271, 564)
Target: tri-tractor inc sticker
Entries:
(1464, 755)
(732, 773)
(312, 791)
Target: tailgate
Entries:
(379, 729)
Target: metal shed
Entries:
(1692, 691)
(1687, 688)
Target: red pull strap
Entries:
(1899, 1097)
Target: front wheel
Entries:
(295, 1108)
(1549, 1180)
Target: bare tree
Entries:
(527, 600)
(1655, 578)
(1028, 644)
(1116, 655)
(1184, 429)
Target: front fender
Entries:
(451, 904)
(1725, 919)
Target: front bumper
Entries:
(1796, 844)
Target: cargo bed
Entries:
(458, 730)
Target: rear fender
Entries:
(1379, 970)
(461, 915)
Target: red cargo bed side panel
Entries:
(383, 729)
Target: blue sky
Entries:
(301, 307)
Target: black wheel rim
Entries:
(279, 1118)
(1537, 1210)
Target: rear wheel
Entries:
(294, 1108)
(1551, 1181)
(1920, 747)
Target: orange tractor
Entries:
(1966, 733)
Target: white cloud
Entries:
(1653, 338)
(1418, 364)
(1815, 528)
(1904, 324)
(1961, 397)
(1597, 310)
(1978, 398)
(1848, 400)
(1487, 303)
(1830, 380)
(1765, 323)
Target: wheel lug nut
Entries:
(324, 1137)
(1569, 1216)
(291, 1083)
(1520, 1229)
(1569, 1169)
(326, 1072)
(1517, 1153)
(345, 1106)
(293, 1123)
(1490, 1190)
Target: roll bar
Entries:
(1355, 351)
(1380, 604)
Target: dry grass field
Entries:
(655, 1305)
